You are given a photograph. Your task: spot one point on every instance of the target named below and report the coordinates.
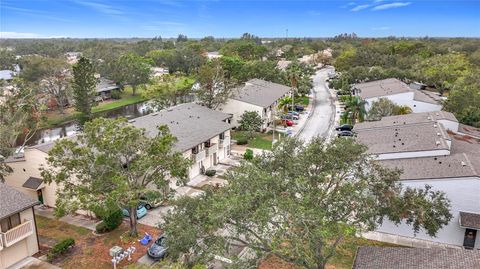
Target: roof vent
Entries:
(438, 134)
(438, 143)
(429, 118)
(435, 125)
(463, 163)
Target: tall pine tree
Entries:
(84, 83)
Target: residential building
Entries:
(415, 258)
(203, 134)
(6, 75)
(104, 89)
(427, 153)
(18, 231)
(399, 93)
(257, 95)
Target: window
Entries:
(10, 222)
(222, 136)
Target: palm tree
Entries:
(285, 103)
(403, 110)
(355, 108)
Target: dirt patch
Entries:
(92, 251)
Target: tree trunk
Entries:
(133, 221)
(134, 90)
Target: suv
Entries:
(344, 127)
(346, 134)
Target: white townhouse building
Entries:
(18, 230)
(430, 149)
(203, 135)
(399, 93)
(257, 95)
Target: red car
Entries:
(287, 122)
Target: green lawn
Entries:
(260, 141)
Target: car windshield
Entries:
(140, 206)
(160, 241)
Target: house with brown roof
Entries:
(399, 93)
(257, 95)
(18, 231)
(420, 146)
(415, 258)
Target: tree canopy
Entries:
(299, 211)
(113, 161)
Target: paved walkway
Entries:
(77, 220)
(33, 263)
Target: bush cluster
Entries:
(60, 248)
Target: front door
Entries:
(215, 161)
(469, 239)
(40, 196)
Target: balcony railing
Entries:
(225, 141)
(1, 242)
(199, 156)
(212, 149)
(17, 233)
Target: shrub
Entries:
(60, 248)
(101, 228)
(113, 219)
(210, 173)
(242, 141)
(116, 94)
(248, 155)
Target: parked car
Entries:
(158, 250)
(293, 113)
(299, 108)
(151, 200)
(344, 127)
(287, 122)
(141, 211)
(289, 117)
(346, 134)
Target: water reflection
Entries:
(71, 128)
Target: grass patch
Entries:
(260, 141)
(59, 230)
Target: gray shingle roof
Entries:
(391, 86)
(412, 118)
(469, 130)
(13, 201)
(32, 183)
(415, 258)
(470, 220)
(382, 87)
(405, 138)
(260, 92)
(192, 124)
(449, 166)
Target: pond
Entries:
(71, 128)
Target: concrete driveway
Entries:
(155, 216)
(321, 122)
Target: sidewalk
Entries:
(77, 220)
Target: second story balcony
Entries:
(199, 156)
(212, 149)
(1, 242)
(224, 142)
(17, 233)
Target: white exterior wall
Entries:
(22, 249)
(30, 167)
(237, 108)
(413, 154)
(464, 195)
(407, 100)
(449, 125)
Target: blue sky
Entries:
(231, 18)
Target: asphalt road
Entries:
(323, 114)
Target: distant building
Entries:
(257, 95)
(415, 258)
(18, 231)
(6, 75)
(104, 89)
(399, 93)
(432, 149)
(213, 55)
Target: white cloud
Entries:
(314, 13)
(382, 28)
(348, 5)
(24, 35)
(360, 7)
(391, 5)
(102, 8)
